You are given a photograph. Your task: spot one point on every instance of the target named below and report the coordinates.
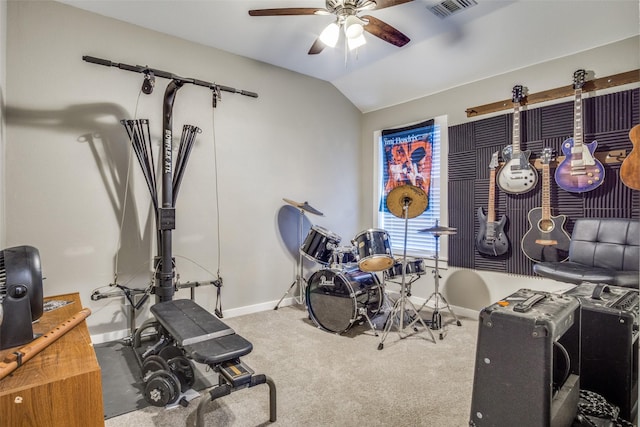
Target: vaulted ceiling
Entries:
(481, 38)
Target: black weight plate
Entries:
(184, 369)
(159, 389)
(169, 352)
(153, 363)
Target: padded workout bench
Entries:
(206, 339)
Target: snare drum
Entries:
(374, 250)
(335, 297)
(414, 267)
(316, 245)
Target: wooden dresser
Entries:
(61, 385)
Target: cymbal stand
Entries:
(402, 304)
(436, 318)
(299, 280)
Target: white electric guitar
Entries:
(517, 175)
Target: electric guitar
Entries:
(546, 239)
(630, 169)
(491, 239)
(579, 171)
(517, 175)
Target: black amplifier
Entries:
(609, 361)
(527, 362)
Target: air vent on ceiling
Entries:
(449, 7)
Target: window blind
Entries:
(411, 139)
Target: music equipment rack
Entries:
(557, 93)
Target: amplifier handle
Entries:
(523, 307)
(599, 289)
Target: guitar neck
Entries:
(491, 215)
(577, 114)
(515, 140)
(546, 192)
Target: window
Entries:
(411, 155)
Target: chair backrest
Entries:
(608, 242)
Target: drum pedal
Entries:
(236, 372)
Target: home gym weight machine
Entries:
(185, 331)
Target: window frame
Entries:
(439, 181)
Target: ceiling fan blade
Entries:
(288, 11)
(388, 3)
(316, 47)
(385, 31)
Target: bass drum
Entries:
(335, 297)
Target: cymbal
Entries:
(304, 206)
(439, 230)
(414, 197)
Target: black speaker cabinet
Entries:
(527, 362)
(609, 360)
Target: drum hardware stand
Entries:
(436, 318)
(337, 255)
(363, 312)
(406, 202)
(412, 279)
(300, 281)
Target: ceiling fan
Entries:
(347, 19)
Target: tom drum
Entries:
(374, 250)
(414, 267)
(316, 246)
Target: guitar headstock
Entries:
(579, 77)
(494, 161)
(547, 155)
(517, 93)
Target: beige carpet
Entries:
(325, 379)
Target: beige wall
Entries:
(464, 287)
(3, 85)
(67, 160)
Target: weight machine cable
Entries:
(218, 309)
(126, 192)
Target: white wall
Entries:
(67, 160)
(477, 289)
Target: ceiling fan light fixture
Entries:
(356, 42)
(329, 36)
(353, 27)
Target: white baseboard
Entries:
(233, 312)
(256, 308)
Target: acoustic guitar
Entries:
(580, 171)
(630, 169)
(517, 175)
(491, 239)
(546, 239)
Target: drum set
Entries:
(346, 290)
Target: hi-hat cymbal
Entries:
(439, 230)
(413, 197)
(304, 206)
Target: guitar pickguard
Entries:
(546, 239)
(514, 178)
(580, 171)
